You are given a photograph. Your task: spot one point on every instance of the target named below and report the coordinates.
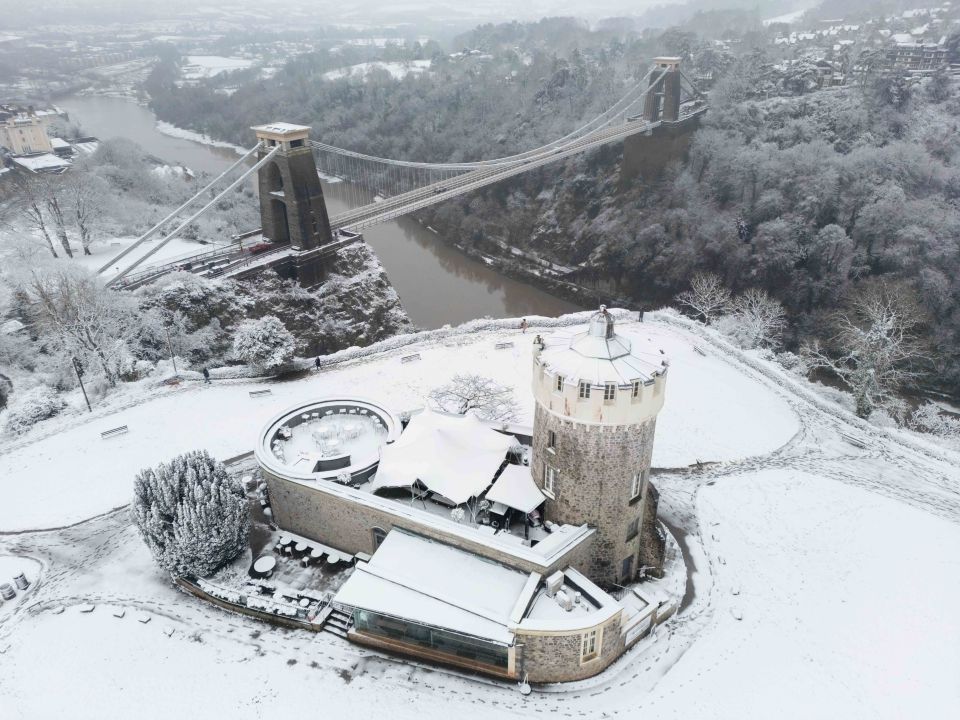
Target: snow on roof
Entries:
(430, 583)
(59, 143)
(454, 455)
(281, 128)
(600, 355)
(44, 161)
(515, 488)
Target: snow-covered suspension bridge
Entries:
(299, 234)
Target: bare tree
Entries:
(86, 199)
(463, 393)
(32, 208)
(81, 317)
(876, 347)
(707, 297)
(53, 197)
(759, 320)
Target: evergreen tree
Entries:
(192, 515)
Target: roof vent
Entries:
(601, 324)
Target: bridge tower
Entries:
(292, 208)
(663, 100)
(291, 199)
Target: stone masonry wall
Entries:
(556, 657)
(595, 465)
(347, 525)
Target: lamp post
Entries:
(173, 357)
(78, 368)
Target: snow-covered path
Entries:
(839, 560)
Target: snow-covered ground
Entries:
(397, 70)
(103, 250)
(823, 574)
(178, 132)
(713, 413)
(197, 67)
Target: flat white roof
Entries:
(45, 161)
(430, 583)
(281, 128)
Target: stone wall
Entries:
(648, 155)
(555, 657)
(346, 524)
(595, 465)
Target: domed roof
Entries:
(600, 355)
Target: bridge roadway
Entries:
(397, 205)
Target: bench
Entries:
(503, 345)
(113, 432)
(853, 440)
(699, 350)
(260, 393)
(409, 358)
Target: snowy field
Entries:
(713, 412)
(103, 250)
(198, 67)
(397, 70)
(822, 575)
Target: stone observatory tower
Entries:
(597, 397)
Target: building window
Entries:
(584, 390)
(626, 569)
(551, 440)
(633, 527)
(549, 480)
(559, 386)
(635, 390)
(590, 645)
(378, 536)
(635, 484)
(609, 391)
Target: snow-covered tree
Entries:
(489, 399)
(80, 317)
(757, 321)
(707, 297)
(929, 418)
(38, 404)
(265, 343)
(86, 195)
(191, 513)
(875, 346)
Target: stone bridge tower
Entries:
(648, 154)
(292, 208)
(597, 396)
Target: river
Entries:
(437, 283)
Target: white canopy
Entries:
(515, 488)
(453, 455)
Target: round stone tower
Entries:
(597, 397)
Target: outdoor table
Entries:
(265, 565)
(301, 547)
(285, 540)
(316, 553)
(304, 602)
(333, 558)
(305, 417)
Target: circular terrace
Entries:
(336, 439)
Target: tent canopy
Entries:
(515, 488)
(453, 455)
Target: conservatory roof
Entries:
(430, 583)
(456, 456)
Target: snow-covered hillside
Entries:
(821, 584)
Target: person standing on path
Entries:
(523, 325)
(206, 376)
(316, 363)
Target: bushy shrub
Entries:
(38, 404)
(192, 515)
(265, 343)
